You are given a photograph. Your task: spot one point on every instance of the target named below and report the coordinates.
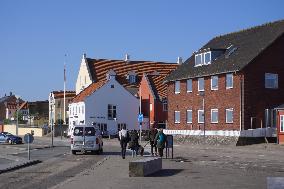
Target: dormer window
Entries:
(207, 58)
(110, 75)
(198, 60)
(131, 77)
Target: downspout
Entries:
(241, 102)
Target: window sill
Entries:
(177, 92)
(189, 91)
(189, 122)
(214, 89)
(177, 122)
(214, 122)
(229, 122)
(229, 87)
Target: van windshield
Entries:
(89, 131)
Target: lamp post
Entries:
(51, 103)
(17, 126)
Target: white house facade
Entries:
(109, 107)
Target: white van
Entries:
(86, 138)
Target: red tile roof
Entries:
(100, 67)
(60, 94)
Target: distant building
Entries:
(38, 110)
(58, 108)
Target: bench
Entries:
(145, 166)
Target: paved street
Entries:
(194, 166)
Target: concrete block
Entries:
(145, 166)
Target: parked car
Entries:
(6, 137)
(86, 139)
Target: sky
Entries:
(35, 35)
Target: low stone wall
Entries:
(23, 130)
(145, 166)
(210, 140)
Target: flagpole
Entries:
(64, 118)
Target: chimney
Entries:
(127, 58)
(11, 93)
(179, 61)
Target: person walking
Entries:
(133, 143)
(160, 140)
(123, 136)
(152, 134)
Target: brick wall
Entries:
(220, 99)
(256, 97)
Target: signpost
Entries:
(28, 138)
(140, 120)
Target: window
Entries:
(201, 84)
(214, 82)
(151, 107)
(188, 116)
(271, 81)
(229, 81)
(281, 123)
(177, 116)
(177, 87)
(229, 115)
(198, 60)
(189, 85)
(111, 111)
(207, 58)
(214, 115)
(200, 116)
(83, 109)
(165, 105)
(132, 79)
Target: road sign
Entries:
(28, 138)
(140, 118)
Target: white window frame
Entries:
(203, 84)
(212, 77)
(187, 120)
(199, 116)
(175, 116)
(201, 55)
(165, 106)
(204, 58)
(281, 123)
(231, 110)
(214, 110)
(189, 81)
(177, 82)
(269, 76)
(230, 87)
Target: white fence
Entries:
(261, 132)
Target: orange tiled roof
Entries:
(100, 67)
(87, 91)
(60, 94)
(158, 87)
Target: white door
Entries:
(281, 123)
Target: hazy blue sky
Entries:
(35, 35)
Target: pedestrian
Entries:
(160, 140)
(133, 143)
(151, 135)
(123, 136)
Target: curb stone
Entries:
(18, 165)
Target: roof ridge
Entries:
(250, 28)
(130, 61)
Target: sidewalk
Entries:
(192, 167)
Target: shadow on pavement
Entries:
(166, 173)
(111, 153)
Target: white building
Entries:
(109, 106)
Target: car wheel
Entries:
(10, 141)
(73, 152)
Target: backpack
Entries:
(162, 138)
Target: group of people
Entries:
(156, 137)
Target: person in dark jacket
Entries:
(152, 134)
(133, 143)
(161, 141)
(123, 136)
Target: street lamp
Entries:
(51, 103)
(17, 126)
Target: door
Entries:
(281, 123)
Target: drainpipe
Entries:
(241, 102)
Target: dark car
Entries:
(6, 137)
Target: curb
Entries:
(13, 166)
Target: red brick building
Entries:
(239, 75)
(280, 123)
(154, 99)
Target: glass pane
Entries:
(201, 84)
(200, 116)
(207, 57)
(189, 116)
(229, 80)
(214, 82)
(189, 85)
(198, 59)
(229, 116)
(177, 86)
